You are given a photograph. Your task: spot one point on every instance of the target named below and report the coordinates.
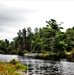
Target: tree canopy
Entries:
(49, 38)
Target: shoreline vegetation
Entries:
(69, 56)
(50, 41)
(13, 67)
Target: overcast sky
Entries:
(15, 15)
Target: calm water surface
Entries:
(42, 67)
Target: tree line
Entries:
(50, 38)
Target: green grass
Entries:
(11, 69)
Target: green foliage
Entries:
(48, 38)
(69, 37)
(13, 61)
(1, 52)
(62, 45)
(21, 66)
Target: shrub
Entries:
(13, 61)
(1, 52)
(21, 52)
(21, 66)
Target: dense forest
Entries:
(49, 40)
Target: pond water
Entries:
(42, 67)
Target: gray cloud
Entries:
(8, 15)
(11, 20)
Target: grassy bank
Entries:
(12, 68)
(57, 55)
